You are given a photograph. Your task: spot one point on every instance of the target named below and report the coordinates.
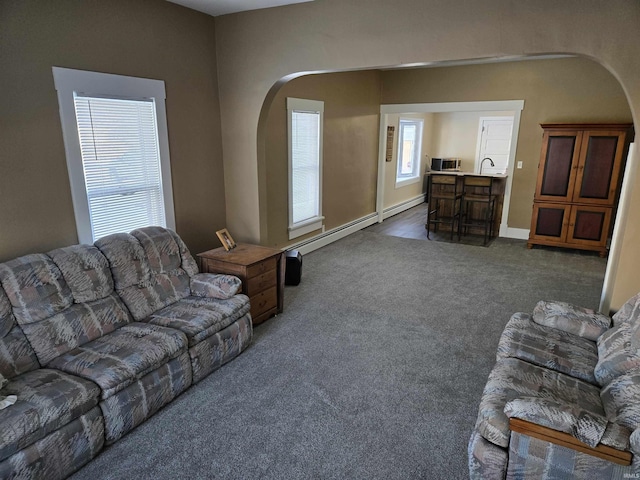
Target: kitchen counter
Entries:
(476, 211)
(462, 174)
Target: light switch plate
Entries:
(519, 164)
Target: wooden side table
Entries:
(261, 270)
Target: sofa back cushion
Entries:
(629, 312)
(44, 304)
(85, 270)
(618, 351)
(35, 287)
(16, 354)
(151, 268)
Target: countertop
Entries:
(462, 174)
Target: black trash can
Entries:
(293, 267)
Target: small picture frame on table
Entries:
(226, 239)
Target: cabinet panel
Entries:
(589, 225)
(558, 164)
(550, 221)
(599, 167)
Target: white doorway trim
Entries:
(498, 106)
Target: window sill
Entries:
(407, 181)
(305, 227)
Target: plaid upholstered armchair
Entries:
(563, 399)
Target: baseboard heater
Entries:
(401, 207)
(330, 236)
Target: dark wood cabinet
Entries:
(578, 184)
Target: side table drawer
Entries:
(261, 282)
(264, 301)
(262, 267)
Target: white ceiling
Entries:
(222, 7)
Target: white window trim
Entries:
(403, 182)
(316, 223)
(67, 81)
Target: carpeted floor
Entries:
(374, 370)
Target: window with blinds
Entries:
(117, 148)
(305, 165)
(121, 163)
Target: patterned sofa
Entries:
(94, 339)
(563, 399)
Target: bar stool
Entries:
(477, 189)
(443, 201)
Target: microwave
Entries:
(442, 164)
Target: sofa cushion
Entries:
(579, 321)
(200, 317)
(629, 312)
(618, 352)
(127, 259)
(137, 402)
(120, 358)
(85, 270)
(548, 347)
(16, 354)
(165, 250)
(35, 287)
(47, 400)
(60, 453)
(147, 275)
(75, 326)
(512, 378)
(161, 249)
(53, 329)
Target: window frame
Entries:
(297, 229)
(414, 177)
(69, 81)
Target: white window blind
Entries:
(121, 163)
(305, 118)
(305, 131)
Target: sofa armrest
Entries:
(587, 427)
(579, 321)
(214, 285)
(565, 440)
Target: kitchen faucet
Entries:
(482, 161)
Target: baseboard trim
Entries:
(330, 236)
(335, 234)
(401, 207)
(517, 233)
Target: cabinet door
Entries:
(589, 225)
(550, 222)
(558, 165)
(599, 167)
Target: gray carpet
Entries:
(374, 370)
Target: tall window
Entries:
(409, 148)
(117, 152)
(305, 119)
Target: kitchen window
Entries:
(409, 151)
